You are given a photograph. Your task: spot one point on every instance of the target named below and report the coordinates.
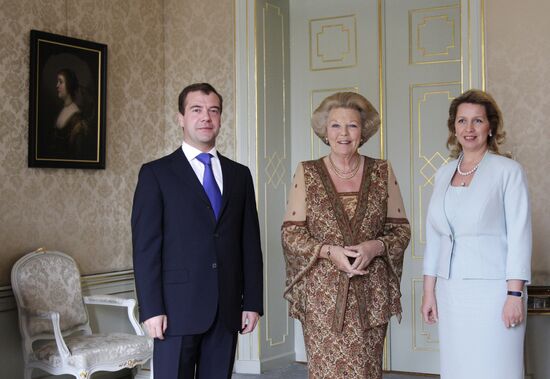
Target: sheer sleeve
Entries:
(397, 231)
(300, 249)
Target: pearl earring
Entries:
(490, 133)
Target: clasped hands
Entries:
(353, 260)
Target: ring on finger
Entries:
(513, 325)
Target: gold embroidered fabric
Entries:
(340, 315)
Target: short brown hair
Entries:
(494, 116)
(370, 119)
(205, 88)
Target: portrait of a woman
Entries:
(343, 236)
(71, 131)
(478, 248)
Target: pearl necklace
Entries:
(470, 172)
(346, 175)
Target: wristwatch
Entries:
(515, 293)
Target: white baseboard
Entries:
(143, 374)
(257, 367)
(278, 361)
(247, 367)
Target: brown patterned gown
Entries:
(344, 319)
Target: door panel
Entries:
(422, 71)
(337, 47)
(334, 47)
(409, 58)
(273, 181)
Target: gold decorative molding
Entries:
(342, 54)
(471, 33)
(343, 26)
(482, 15)
(381, 82)
(420, 27)
(419, 19)
(429, 162)
(274, 168)
(419, 327)
(282, 65)
(267, 252)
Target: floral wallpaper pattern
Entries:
(517, 76)
(155, 48)
(199, 48)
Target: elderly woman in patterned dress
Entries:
(344, 234)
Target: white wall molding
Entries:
(109, 283)
(248, 350)
(7, 301)
(473, 44)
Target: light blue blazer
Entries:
(491, 233)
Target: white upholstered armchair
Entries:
(54, 325)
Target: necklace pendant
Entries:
(463, 184)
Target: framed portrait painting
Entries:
(67, 114)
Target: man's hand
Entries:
(249, 321)
(156, 326)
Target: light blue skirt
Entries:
(473, 341)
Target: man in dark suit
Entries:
(197, 253)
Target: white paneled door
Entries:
(334, 47)
(422, 76)
(410, 59)
(404, 56)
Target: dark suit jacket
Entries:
(187, 264)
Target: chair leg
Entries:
(27, 373)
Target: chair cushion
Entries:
(118, 349)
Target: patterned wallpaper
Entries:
(155, 48)
(199, 48)
(518, 52)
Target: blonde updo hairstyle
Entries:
(370, 119)
(494, 116)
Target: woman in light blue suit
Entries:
(478, 250)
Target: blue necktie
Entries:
(209, 183)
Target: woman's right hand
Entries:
(340, 257)
(429, 307)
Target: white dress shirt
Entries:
(197, 166)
